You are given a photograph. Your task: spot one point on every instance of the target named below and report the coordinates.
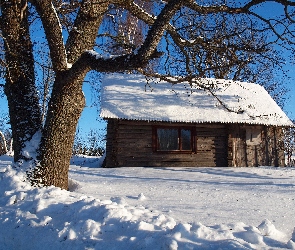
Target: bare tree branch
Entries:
(273, 29)
(288, 15)
(90, 60)
(52, 28)
(256, 2)
(158, 28)
(83, 34)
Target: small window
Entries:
(173, 139)
(253, 136)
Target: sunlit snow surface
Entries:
(150, 208)
(135, 97)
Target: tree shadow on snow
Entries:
(214, 178)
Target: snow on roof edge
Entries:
(196, 122)
(124, 98)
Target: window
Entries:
(173, 139)
(253, 136)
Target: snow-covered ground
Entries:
(150, 208)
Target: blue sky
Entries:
(271, 10)
(90, 117)
(289, 107)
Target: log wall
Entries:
(267, 151)
(130, 144)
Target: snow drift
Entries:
(51, 218)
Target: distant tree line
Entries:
(5, 135)
(91, 145)
(290, 146)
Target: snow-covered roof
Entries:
(134, 97)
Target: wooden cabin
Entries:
(208, 123)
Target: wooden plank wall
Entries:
(129, 143)
(211, 145)
(269, 152)
(274, 146)
(237, 156)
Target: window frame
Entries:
(156, 149)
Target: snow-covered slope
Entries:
(134, 97)
(150, 208)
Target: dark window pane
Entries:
(167, 139)
(186, 139)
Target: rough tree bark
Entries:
(67, 99)
(24, 110)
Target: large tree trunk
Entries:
(24, 110)
(67, 99)
(64, 110)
